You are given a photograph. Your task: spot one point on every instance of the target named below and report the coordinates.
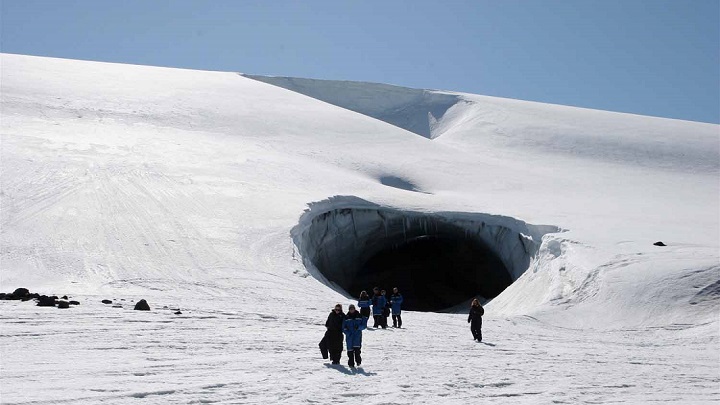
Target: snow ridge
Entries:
(416, 110)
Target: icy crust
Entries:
(336, 237)
(416, 110)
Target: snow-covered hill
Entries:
(254, 208)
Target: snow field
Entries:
(182, 187)
(211, 354)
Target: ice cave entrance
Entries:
(437, 260)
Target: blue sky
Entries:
(653, 57)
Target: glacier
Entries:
(254, 204)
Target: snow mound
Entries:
(521, 129)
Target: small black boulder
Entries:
(659, 243)
(107, 301)
(142, 305)
(62, 304)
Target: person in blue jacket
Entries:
(386, 310)
(396, 303)
(364, 305)
(378, 304)
(353, 326)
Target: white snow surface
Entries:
(182, 187)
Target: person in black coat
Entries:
(475, 319)
(332, 342)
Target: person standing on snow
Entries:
(353, 326)
(396, 302)
(386, 310)
(475, 319)
(333, 339)
(364, 304)
(378, 304)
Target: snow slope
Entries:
(183, 187)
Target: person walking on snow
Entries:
(333, 340)
(475, 319)
(353, 326)
(396, 302)
(378, 304)
(364, 304)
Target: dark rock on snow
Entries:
(19, 294)
(178, 313)
(45, 301)
(62, 304)
(142, 305)
(74, 303)
(64, 297)
(659, 243)
(106, 302)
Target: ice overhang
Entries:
(437, 259)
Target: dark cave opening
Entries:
(433, 273)
(437, 260)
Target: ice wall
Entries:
(340, 245)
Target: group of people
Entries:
(382, 307)
(354, 322)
